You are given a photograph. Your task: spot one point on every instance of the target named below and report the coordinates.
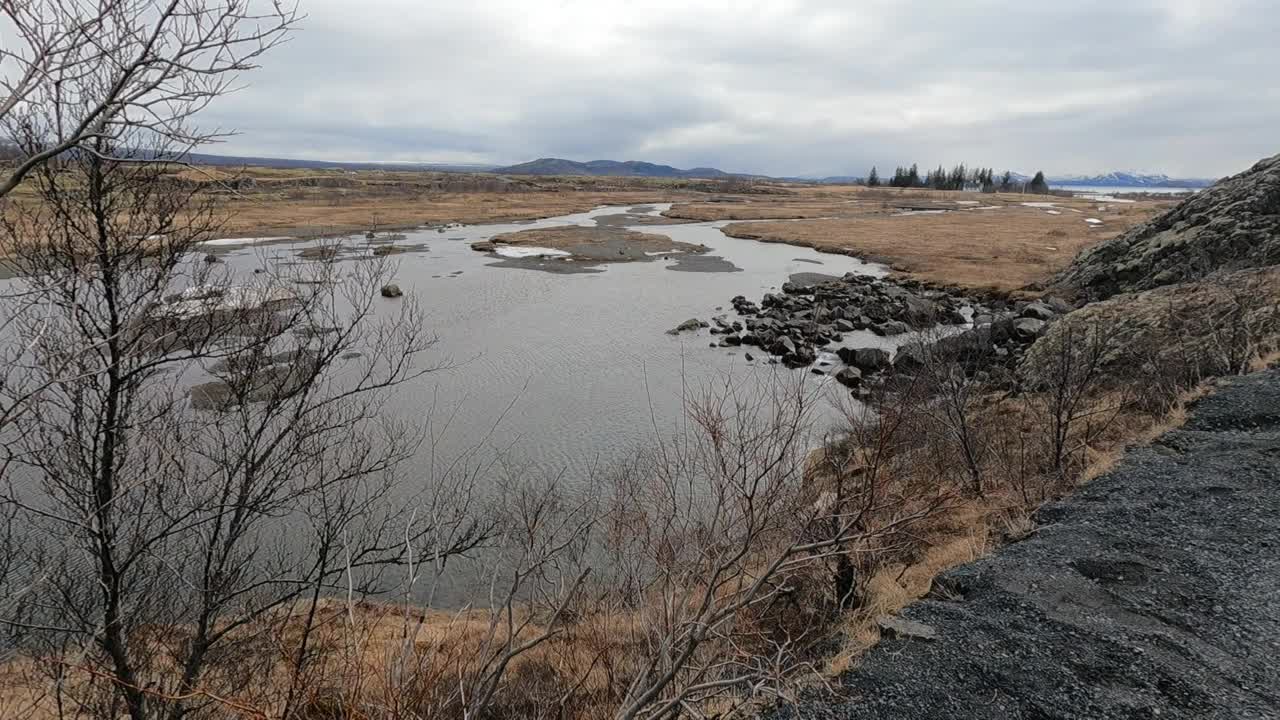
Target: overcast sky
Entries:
(784, 87)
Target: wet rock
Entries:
(387, 250)
(212, 259)
(692, 324)
(391, 290)
(802, 356)
(850, 377)
(783, 346)
(868, 360)
(891, 327)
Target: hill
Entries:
(612, 168)
(1232, 225)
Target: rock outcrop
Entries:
(1231, 226)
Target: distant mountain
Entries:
(289, 163)
(613, 168)
(1129, 179)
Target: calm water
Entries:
(581, 360)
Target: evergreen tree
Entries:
(1039, 185)
(873, 180)
(913, 177)
(1006, 182)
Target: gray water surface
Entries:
(582, 361)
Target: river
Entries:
(578, 367)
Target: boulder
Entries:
(1028, 329)
(783, 346)
(919, 312)
(801, 357)
(910, 357)
(891, 327)
(868, 360)
(687, 326)
(850, 377)
(1038, 311)
(212, 259)
(391, 290)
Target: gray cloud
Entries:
(774, 86)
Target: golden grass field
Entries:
(1004, 249)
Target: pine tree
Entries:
(913, 177)
(873, 180)
(1006, 182)
(1039, 185)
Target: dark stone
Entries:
(849, 377)
(391, 290)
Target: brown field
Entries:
(1002, 249)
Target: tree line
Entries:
(959, 177)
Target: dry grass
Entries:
(1001, 249)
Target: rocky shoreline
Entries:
(814, 313)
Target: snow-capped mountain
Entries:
(1123, 178)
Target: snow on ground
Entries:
(1093, 221)
(968, 202)
(508, 251)
(1039, 204)
(1053, 212)
(245, 240)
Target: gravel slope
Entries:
(1152, 593)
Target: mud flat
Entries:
(582, 249)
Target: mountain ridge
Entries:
(611, 168)
(639, 168)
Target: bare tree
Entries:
(208, 452)
(1067, 395)
(83, 72)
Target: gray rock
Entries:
(892, 327)
(1027, 329)
(391, 290)
(850, 377)
(783, 346)
(689, 325)
(868, 360)
(1233, 225)
(1038, 311)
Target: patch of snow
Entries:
(1039, 204)
(1053, 212)
(508, 251)
(1093, 221)
(920, 212)
(663, 252)
(245, 241)
(988, 207)
(968, 202)
(203, 299)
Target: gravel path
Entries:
(1152, 593)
